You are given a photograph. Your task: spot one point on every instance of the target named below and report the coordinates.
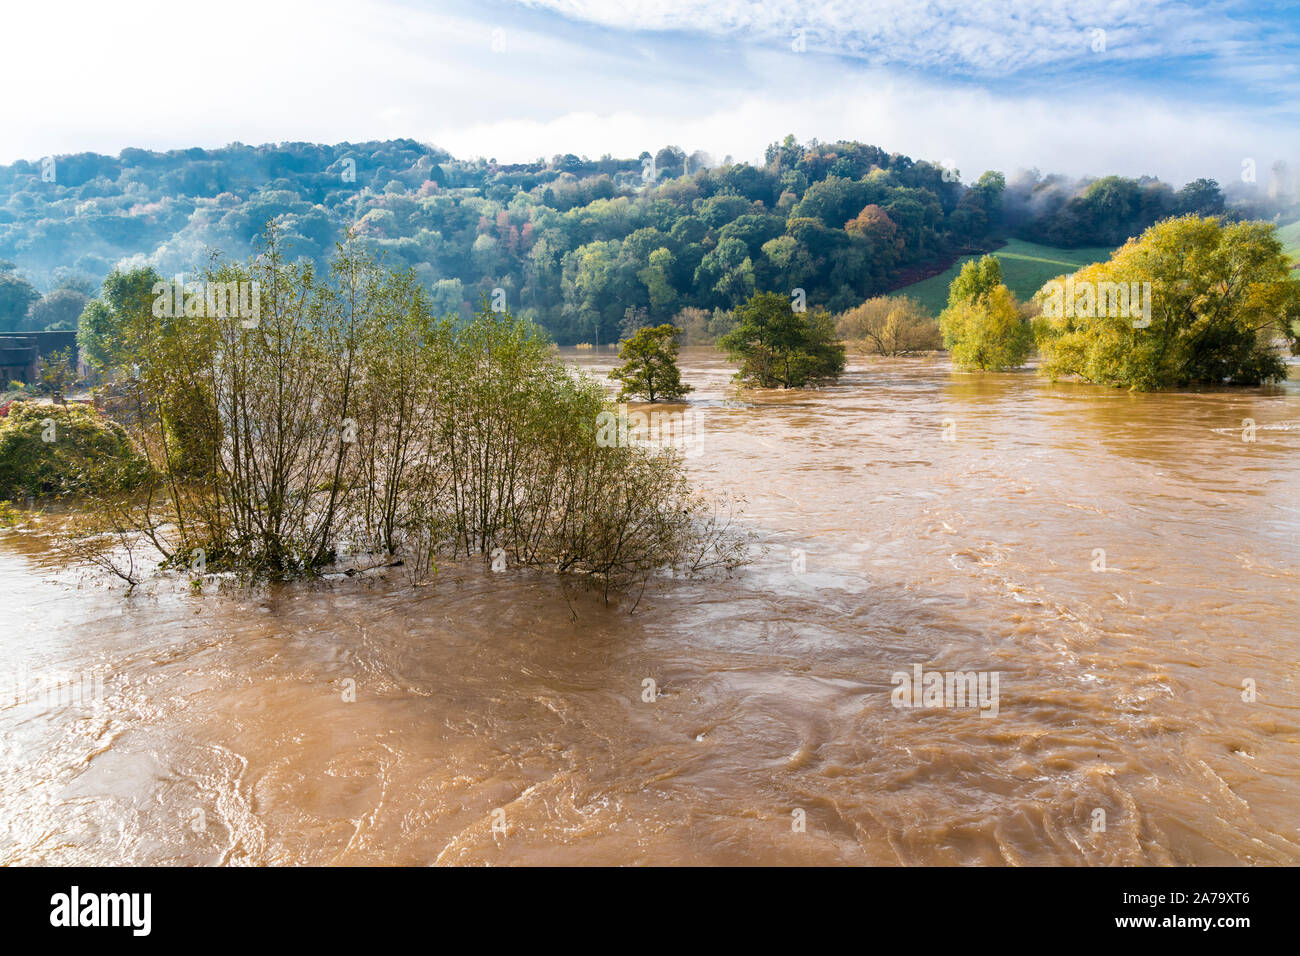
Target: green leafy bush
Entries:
(987, 332)
(1204, 302)
(57, 450)
(778, 347)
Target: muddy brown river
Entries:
(1128, 566)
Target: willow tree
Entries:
(890, 325)
(987, 333)
(344, 411)
(982, 326)
(976, 280)
(1219, 308)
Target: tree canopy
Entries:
(16, 295)
(977, 279)
(570, 242)
(649, 366)
(779, 347)
(1220, 305)
(103, 329)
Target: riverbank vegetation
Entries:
(59, 451)
(889, 325)
(983, 326)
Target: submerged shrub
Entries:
(890, 325)
(349, 418)
(58, 450)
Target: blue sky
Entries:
(1173, 89)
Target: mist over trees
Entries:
(572, 242)
(1109, 211)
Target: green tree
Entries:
(635, 318)
(777, 346)
(727, 271)
(98, 335)
(650, 365)
(66, 278)
(977, 279)
(125, 302)
(657, 277)
(1221, 305)
(60, 310)
(16, 296)
(1200, 197)
(986, 331)
(594, 290)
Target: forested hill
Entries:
(574, 242)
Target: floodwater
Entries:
(1126, 567)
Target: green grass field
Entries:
(1025, 267)
(1290, 236)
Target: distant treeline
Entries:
(1109, 211)
(578, 245)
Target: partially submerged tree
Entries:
(1191, 301)
(649, 366)
(987, 332)
(982, 326)
(890, 325)
(778, 347)
(350, 419)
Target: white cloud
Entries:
(157, 75)
(976, 129)
(964, 35)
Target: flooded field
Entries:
(1128, 566)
